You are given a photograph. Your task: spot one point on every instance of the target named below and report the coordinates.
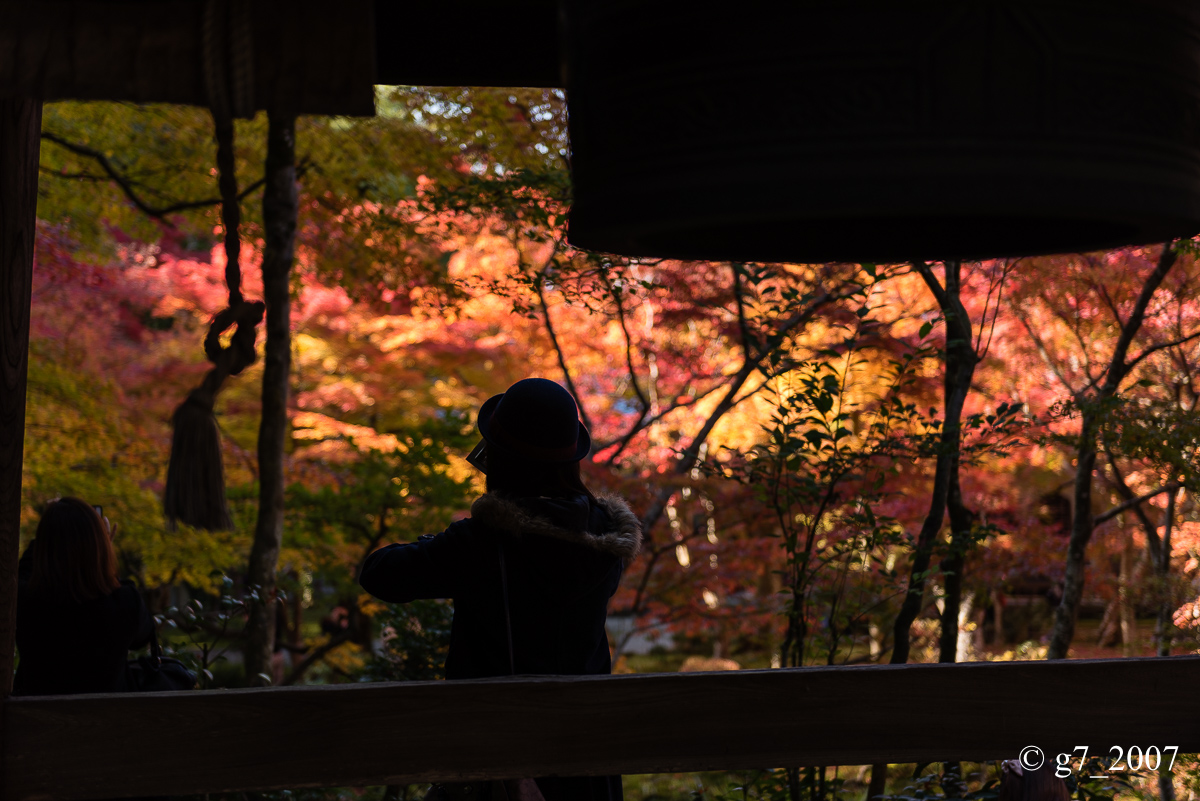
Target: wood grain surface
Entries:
(175, 743)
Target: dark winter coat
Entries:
(564, 559)
(67, 648)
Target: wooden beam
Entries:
(468, 43)
(314, 56)
(188, 743)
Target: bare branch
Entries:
(128, 186)
(740, 301)
(562, 359)
(314, 656)
(1072, 324)
(1126, 492)
(645, 423)
(1118, 368)
(981, 347)
(1161, 346)
(687, 458)
(1132, 502)
(637, 388)
(1044, 352)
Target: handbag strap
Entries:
(512, 669)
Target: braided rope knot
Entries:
(241, 352)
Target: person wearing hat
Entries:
(532, 569)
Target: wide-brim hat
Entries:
(536, 419)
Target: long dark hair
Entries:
(73, 554)
(522, 478)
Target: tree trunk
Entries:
(1125, 600)
(878, 784)
(959, 369)
(1081, 534)
(1085, 459)
(952, 569)
(1166, 784)
(966, 637)
(794, 787)
(1162, 574)
(1106, 634)
(279, 222)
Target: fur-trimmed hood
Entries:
(622, 536)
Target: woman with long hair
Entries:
(75, 620)
(532, 569)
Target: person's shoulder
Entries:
(494, 512)
(607, 525)
(617, 529)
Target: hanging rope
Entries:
(195, 490)
(227, 46)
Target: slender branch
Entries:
(315, 656)
(1112, 306)
(1126, 492)
(740, 302)
(1119, 368)
(1121, 507)
(1072, 324)
(1161, 346)
(624, 440)
(1044, 352)
(562, 359)
(687, 458)
(637, 388)
(128, 185)
(981, 347)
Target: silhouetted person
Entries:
(1018, 783)
(75, 621)
(560, 549)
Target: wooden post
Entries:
(20, 138)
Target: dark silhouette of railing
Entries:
(96, 746)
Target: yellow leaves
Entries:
(1025, 652)
(460, 470)
(314, 427)
(370, 606)
(308, 348)
(349, 659)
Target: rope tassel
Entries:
(195, 491)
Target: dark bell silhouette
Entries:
(877, 130)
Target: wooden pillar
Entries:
(20, 137)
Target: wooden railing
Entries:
(97, 746)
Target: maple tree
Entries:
(1093, 306)
(432, 271)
